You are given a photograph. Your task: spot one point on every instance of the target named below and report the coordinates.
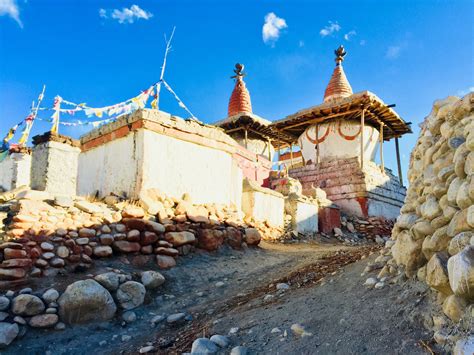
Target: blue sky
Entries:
(407, 52)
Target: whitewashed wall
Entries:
(335, 145)
(15, 171)
(111, 167)
(263, 206)
(306, 218)
(175, 166)
(54, 168)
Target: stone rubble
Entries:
(41, 237)
(433, 238)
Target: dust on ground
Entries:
(326, 295)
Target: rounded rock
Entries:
(130, 295)
(27, 305)
(204, 346)
(85, 301)
(152, 279)
(50, 295)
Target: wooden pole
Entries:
(269, 150)
(397, 149)
(291, 154)
(278, 160)
(158, 86)
(382, 165)
(362, 124)
(317, 144)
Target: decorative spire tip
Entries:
(340, 54)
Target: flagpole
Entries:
(158, 86)
(27, 131)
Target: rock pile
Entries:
(433, 237)
(45, 234)
(90, 300)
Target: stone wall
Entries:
(362, 193)
(434, 235)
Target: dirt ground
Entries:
(326, 296)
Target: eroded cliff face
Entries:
(434, 235)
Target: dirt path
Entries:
(343, 315)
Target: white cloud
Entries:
(10, 8)
(126, 15)
(349, 34)
(393, 52)
(466, 91)
(103, 13)
(271, 28)
(330, 29)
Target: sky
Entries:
(101, 52)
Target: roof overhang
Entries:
(256, 126)
(349, 108)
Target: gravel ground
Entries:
(218, 291)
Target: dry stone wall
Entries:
(434, 235)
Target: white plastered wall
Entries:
(15, 171)
(111, 167)
(176, 167)
(306, 218)
(335, 145)
(264, 207)
(54, 168)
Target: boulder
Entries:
(233, 237)
(133, 212)
(152, 279)
(437, 242)
(155, 227)
(103, 251)
(27, 305)
(86, 301)
(459, 242)
(204, 346)
(180, 238)
(406, 221)
(198, 214)
(50, 295)
(124, 246)
(453, 307)
(430, 209)
(110, 280)
(461, 273)
(44, 321)
(407, 251)
(130, 295)
(437, 273)
(165, 261)
(459, 223)
(210, 239)
(8, 332)
(252, 236)
(464, 346)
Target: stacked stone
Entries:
(44, 237)
(373, 227)
(434, 235)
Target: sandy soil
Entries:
(325, 296)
